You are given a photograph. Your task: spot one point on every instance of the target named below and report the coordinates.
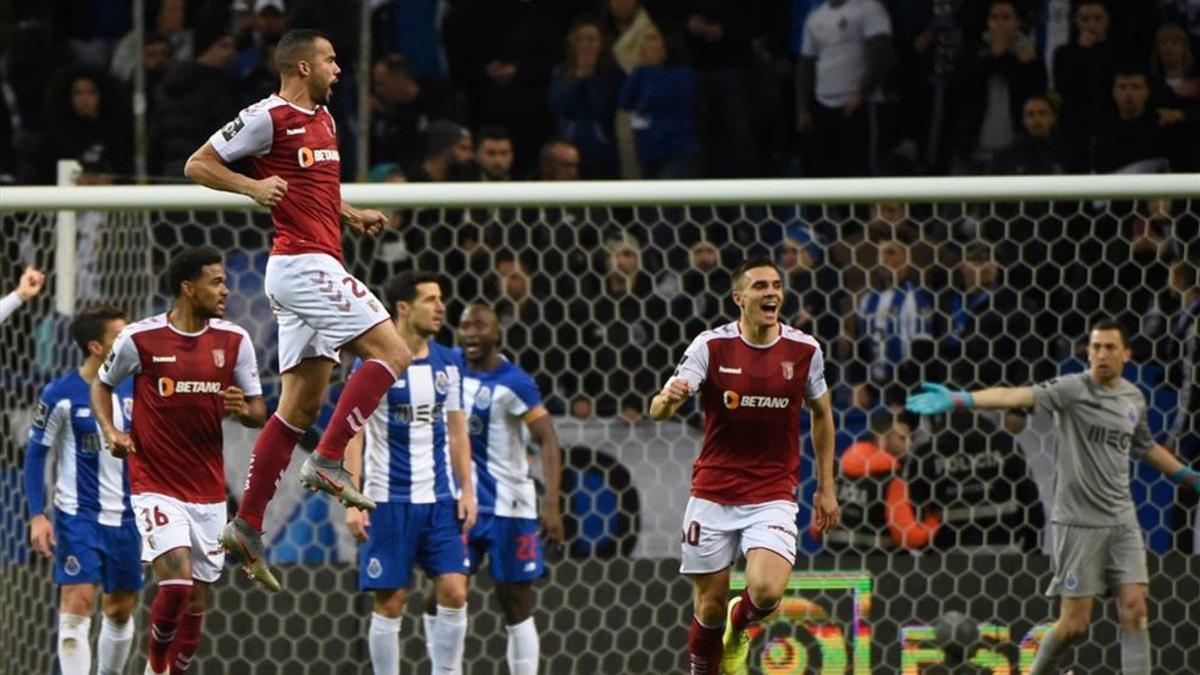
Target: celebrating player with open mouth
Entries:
(290, 139)
(753, 376)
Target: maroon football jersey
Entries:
(751, 396)
(300, 146)
(179, 380)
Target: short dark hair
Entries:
(1129, 70)
(398, 64)
(1111, 324)
(295, 45)
(403, 287)
(90, 324)
(754, 262)
(494, 132)
(187, 265)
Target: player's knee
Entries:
(76, 600)
(1070, 629)
(711, 609)
(452, 596)
(389, 603)
(398, 358)
(516, 602)
(764, 596)
(118, 608)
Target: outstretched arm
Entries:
(1165, 461)
(935, 399)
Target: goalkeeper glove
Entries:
(936, 399)
(1188, 477)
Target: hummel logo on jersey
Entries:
(729, 371)
(296, 132)
(163, 359)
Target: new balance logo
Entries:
(163, 359)
(356, 420)
(296, 132)
(729, 371)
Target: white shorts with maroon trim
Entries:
(167, 523)
(714, 533)
(319, 306)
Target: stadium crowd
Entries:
(631, 88)
(594, 300)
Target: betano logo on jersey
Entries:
(734, 400)
(307, 156)
(168, 387)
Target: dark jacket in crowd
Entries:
(662, 100)
(1084, 77)
(974, 78)
(1117, 143)
(194, 101)
(584, 110)
(1030, 156)
(398, 129)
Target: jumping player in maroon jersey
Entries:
(753, 377)
(290, 141)
(190, 370)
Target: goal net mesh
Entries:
(598, 304)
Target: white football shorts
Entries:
(319, 306)
(714, 533)
(167, 523)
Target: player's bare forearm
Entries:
(667, 402)
(823, 439)
(1165, 461)
(206, 168)
(542, 430)
(1002, 398)
(353, 459)
(102, 407)
(363, 221)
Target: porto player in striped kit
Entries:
(412, 451)
(290, 141)
(190, 370)
(93, 539)
(753, 376)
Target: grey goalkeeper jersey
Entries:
(1096, 429)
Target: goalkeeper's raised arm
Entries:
(936, 398)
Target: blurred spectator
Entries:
(993, 83)
(157, 59)
(401, 110)
(973, 479)
(264, 79)
(583, 99)
(1038, 150)
(494, 154)
(170, 25)
(979, 344)
(629, 22)
(268, 26)
(871, 504)
(558, 160)
(414, 28)
(719, 34)
(89, 124)
(845, 56)
(1184, 12)
(893, 318)
(581, 407)
(1175, 91)
(1130, 139)
(500, 53)
(1173, 62)
(1083, 73)
(448, 155)
(195, 98)
(698, 294)
(660, 97)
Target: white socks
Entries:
(74, 644)
(429, 622)
(116, 639)
(383, 642)
(523, 648)
(449, 636)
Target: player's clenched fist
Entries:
(269, 191)
(32, 281)
(677, 390)
(235, 402)
(120, 444)
(357, 521)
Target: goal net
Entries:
(599, 288)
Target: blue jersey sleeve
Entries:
(48, 420)
(526, 391)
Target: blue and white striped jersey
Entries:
(90, 481)
(406, 456)
(497, 403)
